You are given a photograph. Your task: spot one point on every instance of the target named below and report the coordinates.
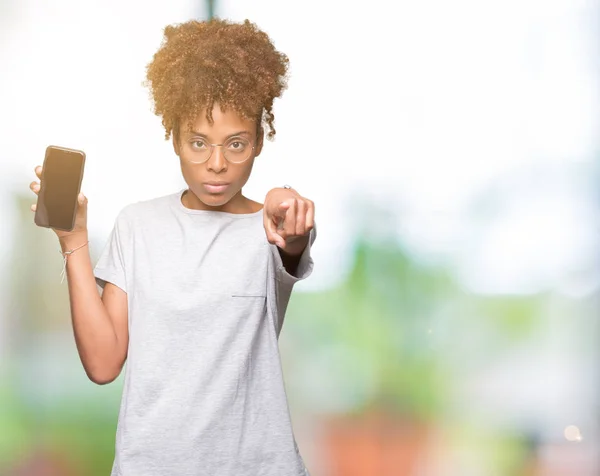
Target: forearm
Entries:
(94, 331)
(288, 222)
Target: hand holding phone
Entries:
(61, 206)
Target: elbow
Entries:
(101, 380)
(103, 377)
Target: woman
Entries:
(194, 285)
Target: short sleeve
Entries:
(110, 267)
(305, 265)
(283, 282)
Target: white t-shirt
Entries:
(203, 393)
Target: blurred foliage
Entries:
(394, 324)
(36, 415)
(380, 316)
(80, 431)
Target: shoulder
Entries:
(145, 211)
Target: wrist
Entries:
(284, 188)
(290, 189)
(72, 241)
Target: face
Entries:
(204, 179)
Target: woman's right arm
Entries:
(99, 322)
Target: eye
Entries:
(198, 144)
(237, 144)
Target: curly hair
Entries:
(200, 63)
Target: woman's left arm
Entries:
(288, 218)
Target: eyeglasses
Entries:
(236, 150)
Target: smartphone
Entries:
(62, 174)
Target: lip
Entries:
(215, 187)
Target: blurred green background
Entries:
(451, 323)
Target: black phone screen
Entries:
(60, 185)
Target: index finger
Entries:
(38, 171)
(272, 235)
(281, 210)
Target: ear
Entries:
(260, 136)
(176, 145)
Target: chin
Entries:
(215, 200)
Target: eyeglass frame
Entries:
(212, 148)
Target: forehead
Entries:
(224, 122)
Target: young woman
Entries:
(194, 285)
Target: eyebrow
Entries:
(196, 133)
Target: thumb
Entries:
(82, 199)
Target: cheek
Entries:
(244, 174)
(186, 171)
(192, 176)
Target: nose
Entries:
(217, 161)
